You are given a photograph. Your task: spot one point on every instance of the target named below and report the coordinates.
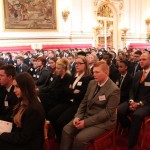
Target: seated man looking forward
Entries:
(96, 113)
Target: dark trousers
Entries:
(60, 115)
(136, 121)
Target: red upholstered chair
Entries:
(145, 128)
(49, 136)
(46, 126)
(101, 142)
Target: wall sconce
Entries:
(147, 21)
(65, 14)
(124, 32)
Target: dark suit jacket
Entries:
(82, 86)
(113, 73)
(10, 61)
(22, 68)
(72, 69)
(145, 96)
(41, 77)
(31, 135)
(5, 113)
(125, 87)
(135, 68)
(100, 111)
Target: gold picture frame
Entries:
(30, 14)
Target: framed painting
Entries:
(30, 14)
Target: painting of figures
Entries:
(30, 14)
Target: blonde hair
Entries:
(64, 62)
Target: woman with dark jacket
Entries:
(52, 76)
(57, 92)
(42, 73)
(28, 117)
(64, 112)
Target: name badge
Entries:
(6, 103)
(79, 83)
(147, 84)
(37, 76)
(51, 79)
(102, 98)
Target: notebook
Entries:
(5, 126)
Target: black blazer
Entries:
(81, 85)
(50, 80)
(135, 67)
(113, 73)
(138, 88)
(31, 135)
(22, 68)
(41, 77)
(72, 69)
(5, 113)
(125, 87)
(58, 91)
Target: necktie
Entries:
(120, 82)
(96, 90)
(143, 76)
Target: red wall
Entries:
(45, 47)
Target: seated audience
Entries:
(139, 101)
(96, 113)
(60, 115)
(28, 116)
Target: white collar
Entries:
(103, 83)
(123, 75)
(8, 89)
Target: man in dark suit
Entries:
(139, 103)
(96, 113)
(21, 66)
(124, 81)
(7, 97)
(136, 65)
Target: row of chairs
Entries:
(98, 143)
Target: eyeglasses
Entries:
(78, 63)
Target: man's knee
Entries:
(138, 115)
(80, 139)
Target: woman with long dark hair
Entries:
(28, 116)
